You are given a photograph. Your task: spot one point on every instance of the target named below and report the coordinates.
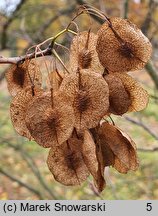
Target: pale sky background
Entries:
(8, 5)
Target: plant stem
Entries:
(58, 57)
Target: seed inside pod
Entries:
(50, 126)
(18, 108)
(83, 53)
(121, 146)
(138, 96)
(119, 98)
(54, 79)
(66, 163)
(121, 46)
(89, 96)
(93, 163)
(18, 76)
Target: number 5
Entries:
(149, 206)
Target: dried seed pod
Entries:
(54, 80)
(108, 157)
(122, 146)
(105, 154)
(66, 163)
(119, 166)
(50, 125)
(69, 86)
(18, 76)
(90, 156)
(121, 46)
(83, 53)
(18, 108)
(89, 95)
(134, 157)
(139, 96)
(119, 98)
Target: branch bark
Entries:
(28, 187)
(148, 150)
(33, 167)
(142, 125)
(126, 8)
(15, 60)
(145, 29)
(81, 2)
(151, 70)
(19, 59)
(147, 21)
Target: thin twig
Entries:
(16, 60)
(148, 19)
(142, 125)
(59, 59)
(81, 2)
(12, 178)
(154, 97)
(152, 72)
(126, 8)
(33, 167)
(45, 52)
(147, 149)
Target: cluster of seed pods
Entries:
(71, 117)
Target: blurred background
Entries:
(23, 170)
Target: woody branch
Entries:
(19, 59)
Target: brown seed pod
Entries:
(89, 154)
(93, 163)
(119, 98)
(108, 158)
(54, 80)
(105, 154)
(119, 166)
(83, 53)
(139, 96)
(120, 144)
(50, 126)
(121, 46)
(66, 163)
(18, 76)
(134, 157)
(69, 86)
(18, 108)
(89, 95)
